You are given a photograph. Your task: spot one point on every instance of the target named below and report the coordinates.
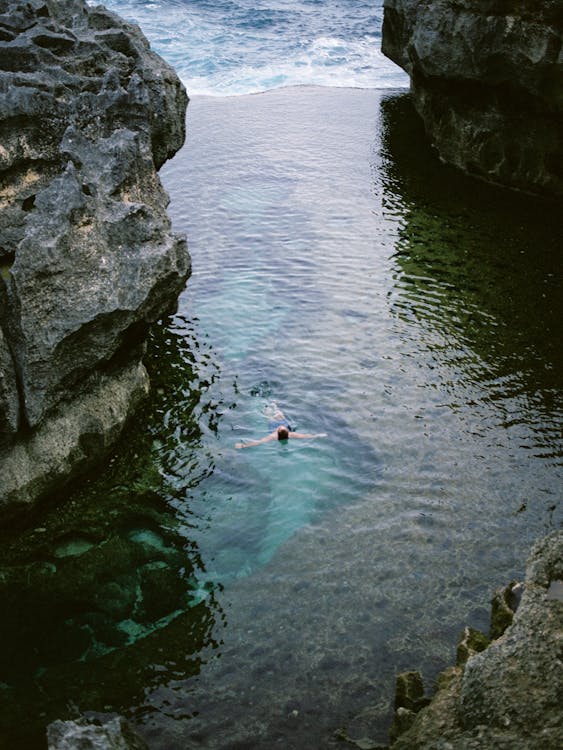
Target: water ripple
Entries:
(375, 296)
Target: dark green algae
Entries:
(496, 255)
(100, 589)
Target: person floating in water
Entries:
(280, 429)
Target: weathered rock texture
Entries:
(487, 80)
(82, 734)
(509, 695)
(88, 113)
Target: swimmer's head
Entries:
(283, 432)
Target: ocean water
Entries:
(267, 597)
(234, 47)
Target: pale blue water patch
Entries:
(254, 499)
(243, 46)
(239, 506)
(248, 293)
(247, 521)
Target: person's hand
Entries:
(239, 445)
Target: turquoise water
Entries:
(222, 598)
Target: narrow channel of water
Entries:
(268, 596)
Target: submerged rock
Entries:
(506, 695)
(88, 113)
(486, 78)
(114, 734)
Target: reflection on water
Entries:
(270, 595)
(478, 275)
(104, 595)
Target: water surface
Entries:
(228, 47)
(267, 597)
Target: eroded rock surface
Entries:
(88, 113)
(506, 695)
(113, 734)
(487, 79)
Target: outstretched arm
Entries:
(305, 435)
(271, 436)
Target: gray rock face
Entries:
(88, 113)
(509, 694)
(74, 436)
(525, 662)
(114, 734)
(487, 79)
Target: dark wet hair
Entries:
(283, 432)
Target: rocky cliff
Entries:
(88, 113)
(487, 80)
(508, 694)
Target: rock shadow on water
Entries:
(103, 591)
(476, 272)
(92, 622)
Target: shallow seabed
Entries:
(267, 597)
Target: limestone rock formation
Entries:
(113, 734)
(487, 80)
(88, 113)
(506, 695)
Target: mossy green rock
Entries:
(471, 642)
(409, 691)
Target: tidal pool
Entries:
(222, 598)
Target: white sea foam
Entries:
(243, 47)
